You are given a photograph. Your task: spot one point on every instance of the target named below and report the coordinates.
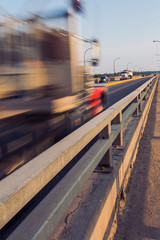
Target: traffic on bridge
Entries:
(72, 116)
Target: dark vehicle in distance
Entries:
(103, 79)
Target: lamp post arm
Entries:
(85, 57)
(84, 70)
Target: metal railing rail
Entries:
(23, 184)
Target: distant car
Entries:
(103, 79)
(97, 80)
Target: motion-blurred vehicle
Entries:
(42, 68)
(126, 74)
(103, 79)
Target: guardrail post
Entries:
(146, 95)
(150, 86)
(106, 161)
(136, 112)
(140, 105)
(119, 140)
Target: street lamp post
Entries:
(157, 41)
(85, 64)
(127, 65)
(134, 68)
(85, 57)
(95, 55)
(114, 68)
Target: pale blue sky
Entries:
(125, 29)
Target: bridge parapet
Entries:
(107, 130)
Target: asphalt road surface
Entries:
(119, 91)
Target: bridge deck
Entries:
(139, 215)
(91, 214)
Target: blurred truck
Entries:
(126, 74)
(42, 68)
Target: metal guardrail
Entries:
(22, 185)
